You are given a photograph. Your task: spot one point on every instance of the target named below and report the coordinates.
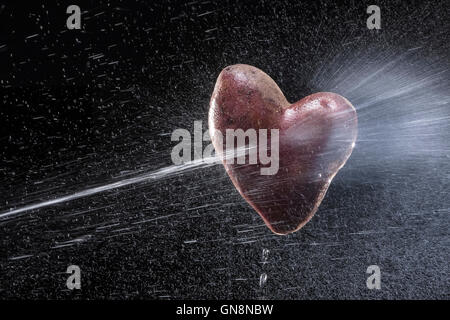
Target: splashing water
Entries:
(402, 100)
(402, 104)
(265, 256)
(162, 173)
(262, 279)
(155, 175)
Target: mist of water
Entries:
(402, 100)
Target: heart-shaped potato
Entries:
(315, 137)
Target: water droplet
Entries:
(262, 279)
(265, 255)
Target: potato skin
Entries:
(316, 136)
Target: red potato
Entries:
(316, 136)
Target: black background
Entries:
(82, 108)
